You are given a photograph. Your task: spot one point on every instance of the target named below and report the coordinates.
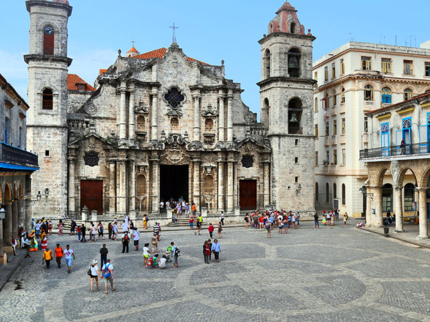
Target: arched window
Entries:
(293, 28)
(368, 93)
(409, 198)
(386, 95)
(316, 191)
(408, 94)
(334, 98)
(267, 63)
(294, 56)
(140, 123)
(342, 96)
(48, 41)
(387, 197)
(209, 124)
(47, 100)
(174, 124)
(327, 195)
(334, 191)
(265, 112)
(294, 116)
(343, 195)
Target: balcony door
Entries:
(385, 139)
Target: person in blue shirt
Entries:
(216, 249)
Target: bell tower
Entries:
(286, 94)
(47, 95)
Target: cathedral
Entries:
(162, 125)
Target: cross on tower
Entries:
(132, 42)
(174, 33)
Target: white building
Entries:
(352, 80)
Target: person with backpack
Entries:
(175, 254)
(94, 274)
(103, 255)
(125, 241)
(107, 274)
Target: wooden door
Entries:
(248, 194)
(92, 195)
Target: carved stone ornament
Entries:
(195, 145)
(175, 139)
(91, 109)
(247, 161)
(91, 159)
(209, 111)
(250, 118)
(141, 109)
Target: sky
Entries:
(209, 31)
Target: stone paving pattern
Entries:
(332, 274)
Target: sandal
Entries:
(114, 289)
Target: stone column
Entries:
(221, 124)
(112, 199)
(377, 198)
(423, 213)
(154, 114)
(1, 238)
(155, 186)
(221, 186)
(132, 191)
(122, 113)
(15, 214)
(369, 207)
(196, 183)
(266, 192)
(196, 129)
(131, 128)
(121, 187)
(235, 188)
(71, 193)
(230, 186)
(230, 116)
(21, 212)
(7, 224)
(398, 209)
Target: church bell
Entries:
(294, 118)
(293, 63)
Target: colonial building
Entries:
(353, 80)
(16, 164)
(163, 125)
(405, 166)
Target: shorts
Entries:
(268, 228)
(280, 227)
(316, 223)
(191, 224)
(108, 279)
(175, 259)
(136, 243)
(37, 232)
(146, 256)
(69, 262)
(94, 276)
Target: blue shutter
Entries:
(423, 139)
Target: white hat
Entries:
(95, 262)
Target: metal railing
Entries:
(11, 154)
(396, 150)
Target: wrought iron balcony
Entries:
(13, 155)
(396, 151)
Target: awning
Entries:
(15, 167)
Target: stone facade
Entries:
(161, 119)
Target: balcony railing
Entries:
(396, 151)
(11, 154)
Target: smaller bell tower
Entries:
(286, 94)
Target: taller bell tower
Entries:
(47, 95)
(286, 94)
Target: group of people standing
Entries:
(178, 208)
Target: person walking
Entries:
(221, 218)
(110, 228)
(211, 229)
(268, 229)
(154, 243)
(14, 243)
(199, 223)
(156, 229)
(175, 255)
(83, 230)
(93, 233)
(107, 275)
(115, 231)
(136, 237)
(103, 255)
(60, 228)
(191, 222)
(59, 253)
(206, 251)
(216, 249)
(50, 225)
(125, 241)
(246, 220)
(79, 232)
(219, 230)
(72, 227)
(100, 229)
(47, 256)
(345, 218)
(94, 274)
(194, 209)
(69, 255)
(317, 223)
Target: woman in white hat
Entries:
(94, 274)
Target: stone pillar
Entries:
(220, 186)
(423, 213)
(266, 191)
(21, 212)
(122, 113)
(7, 224)
(155, 187)
(377, 198)
(132, 191)
(230, 116)
(204, 212)
(121, 187)
(1, 238)
(154, 114)
(112, 199)
(71, 193)
(221, 124)
(235, 187)
(131, 127)
(196, 184)
(15, 214)
(196, 130)
(230, 186)
(369, 207)
(398, 209)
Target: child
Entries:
(345, 218)
(281, 226)
(146, 253)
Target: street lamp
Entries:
(39, 196)
(2, 214)
(363, 190)
(46, 193)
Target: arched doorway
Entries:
(387, 197)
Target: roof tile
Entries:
(73, 80)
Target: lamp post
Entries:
(2, 213)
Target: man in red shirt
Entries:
(211, 229)
(261, 219)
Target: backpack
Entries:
(177, 251)
(106, 272)
(126, 238)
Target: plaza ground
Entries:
(331, 274)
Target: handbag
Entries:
(89, 271)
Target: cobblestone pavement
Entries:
(331, 274)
